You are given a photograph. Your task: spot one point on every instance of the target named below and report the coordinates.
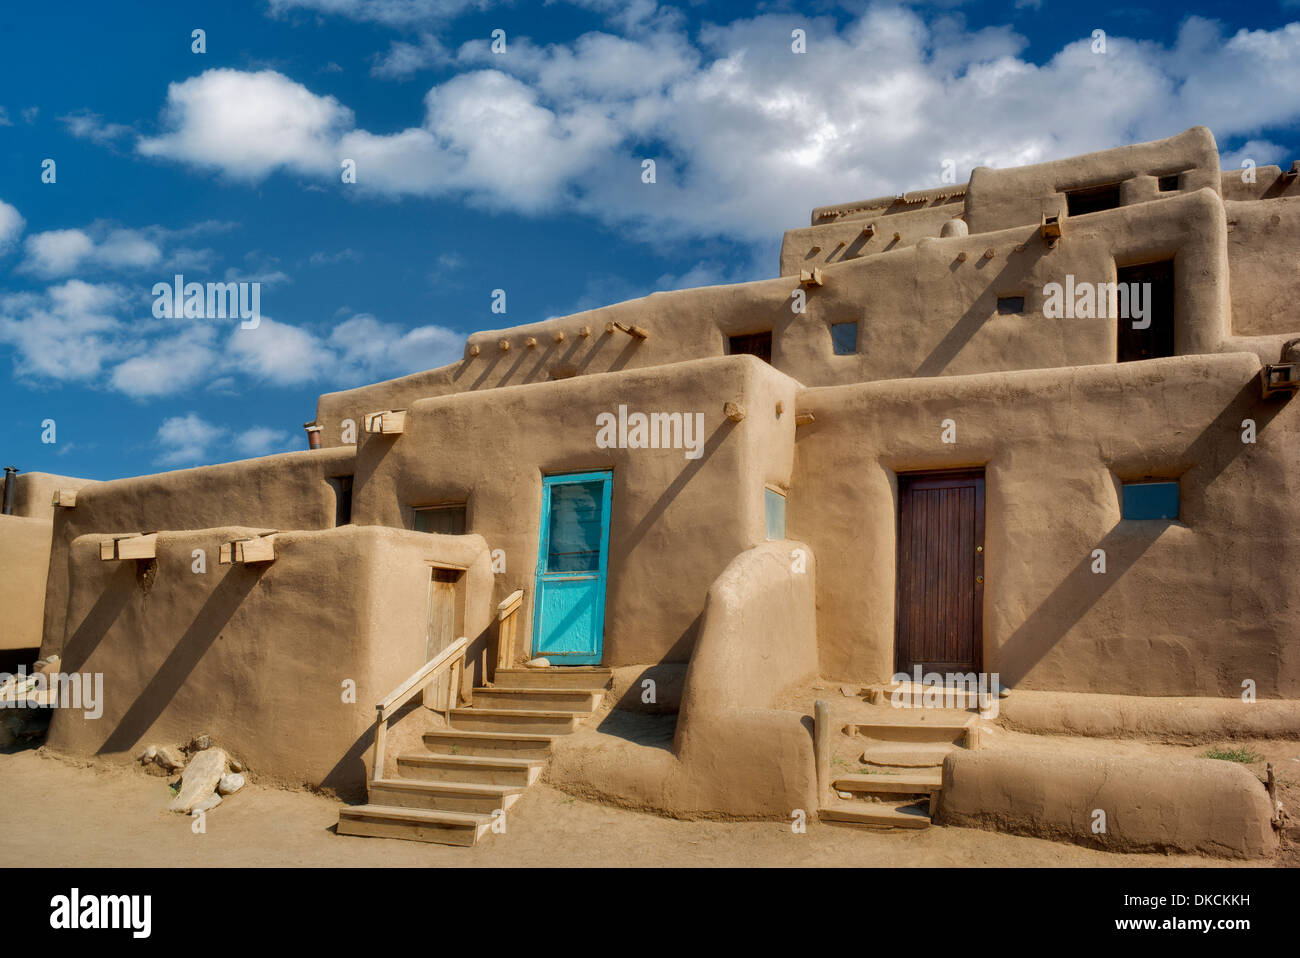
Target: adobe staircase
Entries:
(906, 756)
(480, 765)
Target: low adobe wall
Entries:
(1196, 806)
(1263, 241)
(34, 492)
(24, 559)
(676, 521)
(287, 491)
(258, 655)
(1189, 607)
(734, 755)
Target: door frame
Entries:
(957, 475)
(606, 476)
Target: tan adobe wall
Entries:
(1269, 183)
(34, 492)
(24, 560)
(1263, 250)
(676, 521)
(843, 239)
(733, 754)
(1018, 196)
(287, 491)
(1193, 607)
(256, 655)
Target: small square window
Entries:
(774, 506)
(1169, 184)
(844, 338)
(1150, 500)
(447, 520)
(755, 344)
(1009, 305)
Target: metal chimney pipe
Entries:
(313, 434)
(11, 472)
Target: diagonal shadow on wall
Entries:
(176, 668)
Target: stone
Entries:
(847, 691)
(47, 666)
(200, 779)
(149, 754)
(169, 758)
(236, 765)
(1003, 692)
(844, 794)
(209, 803)
(200, 743)
(537, 664)
(229, 784)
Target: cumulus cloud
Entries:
(11, 227)
(86, 125)
(393, 13)
(746, 135)
(67, 333)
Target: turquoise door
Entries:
(569, 610)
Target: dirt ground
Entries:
(58, 812)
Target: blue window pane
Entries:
(1150, 500)
(574, 544)
(775, 507)
(844, 338)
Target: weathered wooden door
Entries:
(940, 571)
(441, 627)
(569, 608)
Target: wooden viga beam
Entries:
(390, 422)
(636, 332)
(137, 547)
(260, 549)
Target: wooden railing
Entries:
(450, 662)
(507, 628)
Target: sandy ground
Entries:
(57, 812)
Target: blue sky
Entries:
(478, 170)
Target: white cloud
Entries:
(279, 353)
(86, 125)
(393, 13)
(63, 252)
(68, 333)
(11, 227)
(190, 440)
(746, 135)
(368, 348)
(262, 440)
(168, 365)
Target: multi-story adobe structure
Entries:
(929, 442)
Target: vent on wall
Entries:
(754, 344)
(1092, 200)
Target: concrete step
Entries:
(413, 824)
(914, 728)
(909, 815)
(561, 677)
(443, 796)
(909, 695)
(581, 700)
(492, 744)
(921, 781)
(469, 769)
(536, 721)
(905, 754)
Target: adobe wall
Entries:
(256, 655)
(1001, 198)
(1192, 607)
(287, 491)
(843, 238)
(676, 522)
(1263, 248)
(34, 492)
(1269, 182)
(24, 559)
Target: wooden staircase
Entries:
(906, 760)
(469, 774)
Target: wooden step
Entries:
(917, 730)
(559, 677)
(493, 744)
(921, 781)
(442, 796)
(905, 754)
(542, 721)
(413, 824)
(910, 815)
(558, 700)
(469, 769)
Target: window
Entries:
(1008, 305)
(1092, 200)
(1168, 184)
(1145, 297)
(755, 344)
(447, 520)
(774, 506)
(342, 486)
(1150, 500)
(844, 338)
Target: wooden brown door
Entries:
(940, 571)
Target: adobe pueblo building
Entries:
(1038, 426)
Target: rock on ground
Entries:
(230, 784)
(200, 779)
